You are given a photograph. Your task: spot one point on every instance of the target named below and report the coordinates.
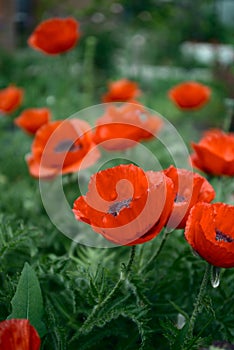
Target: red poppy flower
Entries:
(121, 127)
(190, 95)
(18, 334)
(62, 147)
(214, 154)
(190, 188)
(31, 119)
(10, 99)
(210, 232)
(55, 35)
(122, 90)
(125, 204)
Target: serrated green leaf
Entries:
(27, 302)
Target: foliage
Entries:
(143, 314)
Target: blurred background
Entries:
(158, 43)
(165, 24)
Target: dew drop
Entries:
(215, 276)
(180, 321)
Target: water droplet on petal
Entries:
(215, 276)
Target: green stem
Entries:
(229, 104)
(88, 69)
(140, 256)
(198, 305)
(222, 188)
(123, 276)
(157, 252)
(219, 191)
(130, 261)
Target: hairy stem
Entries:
(88, 69)
(126, 269)
(198, 305)
(157, 252)
(229, 104)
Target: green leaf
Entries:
(27, 302)
(180, 338)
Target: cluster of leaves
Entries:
(68, 282)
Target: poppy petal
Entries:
(190, 188)
(18, 334)
(123, 127)
(210, 231)
(124, 203)
(214, 153)
(121, 91)
(31, 119)
(10, 99)
(55, 35)
(62, 147)
(190, 95)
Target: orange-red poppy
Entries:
(62, 147)
(18, 334)
(214, 153)
(55, 35)
(10, 99)
(190, 95)
(125, 204)
(122, 90)
(190, 188)
(210, 232)
(122, 127)
(31, 119)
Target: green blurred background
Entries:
(156, 42)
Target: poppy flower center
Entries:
(220, 236)
(179, 198)
(67, 146)
(115, 208)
